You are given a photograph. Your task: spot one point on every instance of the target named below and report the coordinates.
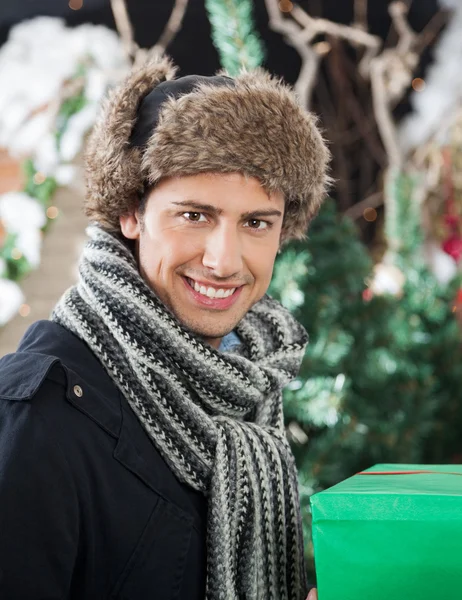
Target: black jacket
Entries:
(88, 508)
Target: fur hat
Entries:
(254, 126)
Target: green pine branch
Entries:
(233, 34)
(16, 268)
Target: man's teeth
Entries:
(210, 291)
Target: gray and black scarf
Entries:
(215, 418)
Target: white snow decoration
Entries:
(24, 216)
(65, 174)
(96, 85)
(29, 242)
(11, 299)
(46, 159)
(435, 106)
(77, 126)
(17, 113)
(31, 134)
(443, 267)
(20, 213)
(32, 68)
(40, 55)
(102, 44)
(37, 62)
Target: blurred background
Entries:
(377, 282)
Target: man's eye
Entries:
(258, 224)
(195, 217)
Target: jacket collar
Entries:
(88, 387)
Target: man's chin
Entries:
(212, 335)
(209, 327)
(213, 338)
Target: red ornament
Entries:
(453, 247)
(452, 221)
(367, 294)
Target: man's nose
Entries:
(223, 252)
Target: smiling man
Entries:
(142, 446)
(206, 245)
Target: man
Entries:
(142, 448)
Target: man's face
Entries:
(206, 245)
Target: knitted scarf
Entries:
(215, 418)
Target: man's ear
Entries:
(130, 225)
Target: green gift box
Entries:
(393, 532)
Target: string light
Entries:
(52, 212)
(75, 4)
(24, 310)
(370, 214)
(418, 84)
(39, 178)
(285, 6)
(16, 254)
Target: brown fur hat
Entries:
(255, 127)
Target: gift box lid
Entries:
(393, 492)
(393, 531)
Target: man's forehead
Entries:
(217, 191)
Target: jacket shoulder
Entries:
(23, 373)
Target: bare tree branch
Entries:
(124, 27)
(139, 55)
(357, 37)
(343, 84)
(310, 58)
(391, 74)
(314, 26)
(172, 28)
(373, 201)
(360, 12)
(398, 13)
(389, 71)
(382, 112)
(431, 30)
(303, 31)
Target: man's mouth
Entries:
(209, 291)
(212, 297)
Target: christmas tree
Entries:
(381, 376)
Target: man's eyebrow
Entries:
(257, 214)
(253, 214)
(199, 206)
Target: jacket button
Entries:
(78, 391)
